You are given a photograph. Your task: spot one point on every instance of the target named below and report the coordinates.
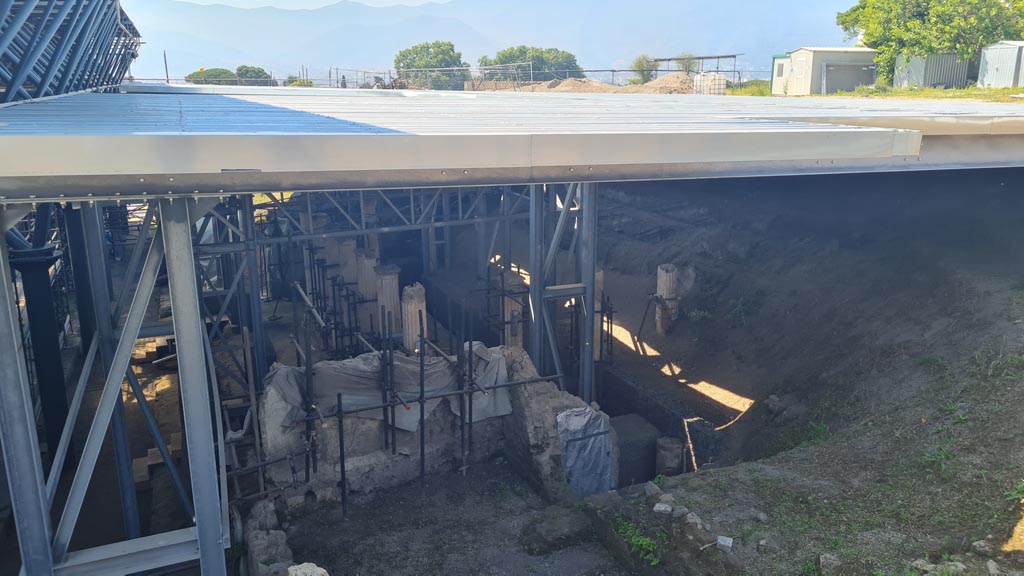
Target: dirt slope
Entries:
(875, 323)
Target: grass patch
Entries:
(750, 88)
(639, 543)
(801, 434)
(1017, 494)
(969, 93)
(940, 460)
(933, 363)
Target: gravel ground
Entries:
(454, 525)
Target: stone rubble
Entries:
(725, 544)
(307, 569)
(982, 548)
(828, 564)
(662, 508)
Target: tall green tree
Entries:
(644, 68)
(685, 63)
(922, 27)
(423, 66)
(544, 63)
(254, 76)
(295, 82)
(220, 76)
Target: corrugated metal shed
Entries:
(1001, 65)
(935, 70)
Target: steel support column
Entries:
(80, 268)
(96, 253)
(34, 266)
(259, 350)
(537, 350)
(176, 230)
(19, 441)
(588, 271)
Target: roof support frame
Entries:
(74, 37)
(42, 41)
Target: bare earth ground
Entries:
(457, 526)
(672, 83)
(884, 313)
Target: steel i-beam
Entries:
(176, 230)
(18, 439)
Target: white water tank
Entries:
(710, 84)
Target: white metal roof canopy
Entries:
(158, 140)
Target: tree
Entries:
(295, 82)
(644, 68)
(424, 66)
(219, 76)
(545, 63)
(685, 63)
(254, 76)
(923, 27)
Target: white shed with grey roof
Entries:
(1001, 65)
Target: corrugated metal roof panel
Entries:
(201, 139)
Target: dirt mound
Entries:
(580, 85)
(674, 83)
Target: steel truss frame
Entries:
(51, 47)
(578, 203)
(44, 547)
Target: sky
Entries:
(306, 4)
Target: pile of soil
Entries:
(674, 83)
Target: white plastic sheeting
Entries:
(587, 451)
(359, 381)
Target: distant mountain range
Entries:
(602, 33)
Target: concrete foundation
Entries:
(637, 449)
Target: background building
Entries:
(806, 71)
(1000, 65)
(934, 70)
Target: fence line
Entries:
(502, 77)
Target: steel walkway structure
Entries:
(51, 47)
(187, 150)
